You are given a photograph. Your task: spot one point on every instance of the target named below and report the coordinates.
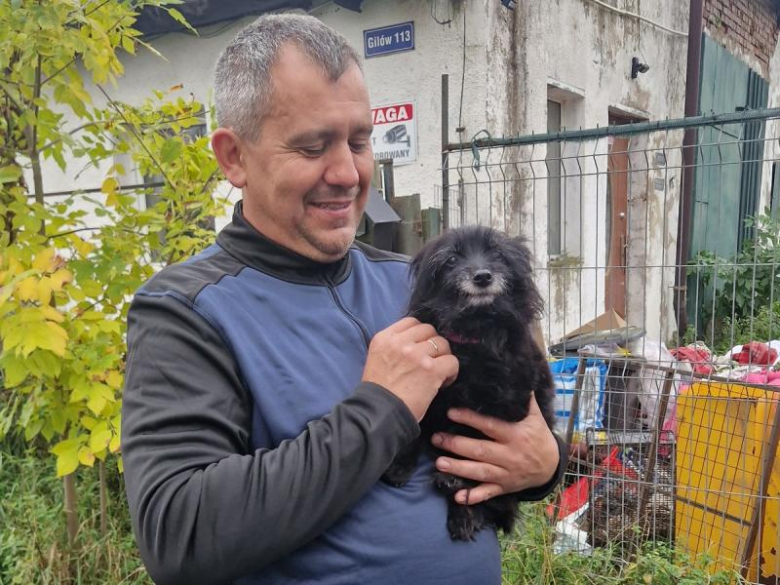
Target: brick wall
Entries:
(748, 28)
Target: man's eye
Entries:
(312, 151)
(358, 146)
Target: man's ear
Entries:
(227, 147)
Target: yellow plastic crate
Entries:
(722, 434)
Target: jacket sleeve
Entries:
(541, 492)
(205, 507)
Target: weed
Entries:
(33, 538)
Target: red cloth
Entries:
(764, 377)
(700, 358)
(576, 495)
(756, 353)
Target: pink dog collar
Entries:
(457, 338)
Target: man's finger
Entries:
(481, 493)
(435, 346)
(449, 368)
(483, 472)
(419, 332)
(533, 407)
(475, 449)
(403, 324)
(495, 428)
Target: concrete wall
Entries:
(585, 64)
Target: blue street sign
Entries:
(388, 39)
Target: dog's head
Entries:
(473, 271)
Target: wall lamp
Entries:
(637, 68)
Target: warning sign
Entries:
(395, 133)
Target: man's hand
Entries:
(412, 361)
(520, 455)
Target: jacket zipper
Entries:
(343, 309)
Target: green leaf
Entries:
(100, 437)
(46, 335)
(151, 49)
(170, 151)
(80, 389)
(86, 456)
(67, 453)
(15, 371)
(10, 174)
(47, 363)
(128, 44)
(179, 17)
(110, 185)
(58, 420)
(31, 431)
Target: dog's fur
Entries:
(475, 286)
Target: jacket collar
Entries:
(242, 241)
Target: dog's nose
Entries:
(483, 278)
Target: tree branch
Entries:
(133, 131)
(87, 229)
(72, 132)
(210, 178)
(14, 103)
(59, 235)
(31, 133)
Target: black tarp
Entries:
(201, 13)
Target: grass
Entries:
(528, 559)
(33, 543)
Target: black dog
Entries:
(475, 286)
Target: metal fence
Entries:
(674, 433)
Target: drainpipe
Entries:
(688, 160)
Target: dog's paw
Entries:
(397, 475)
(448, 484)
(506, 523)
(464, 522)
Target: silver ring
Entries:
(435, 348)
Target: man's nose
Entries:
(342, 170)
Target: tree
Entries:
(65, 287)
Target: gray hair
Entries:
(243, 83)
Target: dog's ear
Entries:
(422, 277)
(518, 257)
(415, 266)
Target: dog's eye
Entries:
(451, 261)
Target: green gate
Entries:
(728, 162)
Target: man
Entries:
(271, 379)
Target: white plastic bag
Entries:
(652, 379)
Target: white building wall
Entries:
(588, 58)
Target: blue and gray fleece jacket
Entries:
(253, 451)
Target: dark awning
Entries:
(201, 13)
(378, 210)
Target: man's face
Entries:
(308, 174)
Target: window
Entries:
(553, 163)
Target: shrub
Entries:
(734, 294)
